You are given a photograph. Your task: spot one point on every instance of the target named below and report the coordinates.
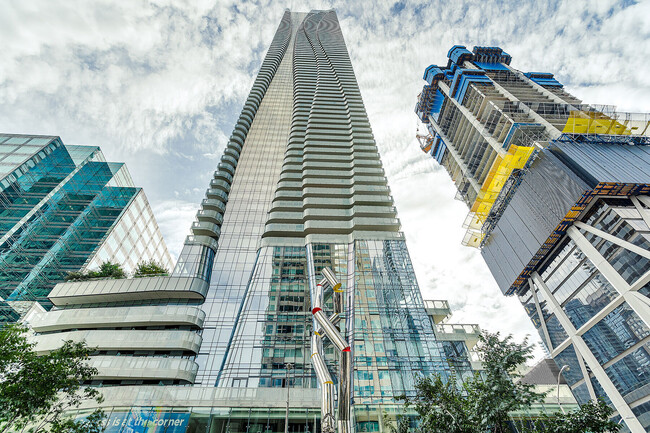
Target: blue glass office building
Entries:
(62, 209)
(228, 341)
(559, 205)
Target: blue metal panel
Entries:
(454, 83)
(491, 66)
(433, 73)
(464, 85)
(543, 79)
(438, 149)
(462, 78)
(436, 106)
(458, 54)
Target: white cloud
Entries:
(174, 218)
(159, 85)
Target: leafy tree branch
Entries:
(36, 391)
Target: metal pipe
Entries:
(322, 373)
(318, 302)
(327, 409)
(327, 386)
(349, 323)
(345, 426)
(334, 319)
(314, 344)
(331, 279)
(329, 329)
(344, 386)
(311, 275)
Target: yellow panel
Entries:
(516, 158)
(583, 122)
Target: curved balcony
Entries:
(283, 230)
(228, 158)
(218, 194)
(143, 368)
(220, 184)
(204, 228)
(213, 204)
(150, 315)
(345, 226)
(126, 340)
(236, 146)
(227, 166)
(124, 290)
(230, 150)
(346, 202)
(206, 241)
(223, 175)
(210, 216)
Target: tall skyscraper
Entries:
(250, 311)
(65, 208)
(558, 193)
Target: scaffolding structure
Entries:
(493, 120)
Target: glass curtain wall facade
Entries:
(299, 188)
(64, 209)
(558, 203)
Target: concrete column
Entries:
(581, 347)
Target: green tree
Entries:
(106, 270)
(482, 402)
(592, 417)
(111, 270)
(498, 393)
(402, 425)
(150, 267)
(36, 391)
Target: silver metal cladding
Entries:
(331, 279)
(345, 365)
(322, 372)
(329, 329)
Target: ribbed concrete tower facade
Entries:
(295, 277)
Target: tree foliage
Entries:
(482, 402)
(402, 425)
(149, 268)
(106, 270)
(36, 391)
(592, 417)
(498, 393)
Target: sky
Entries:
(160, 84)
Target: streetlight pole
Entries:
(559, 377)
(623, 419)
(286, 414)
